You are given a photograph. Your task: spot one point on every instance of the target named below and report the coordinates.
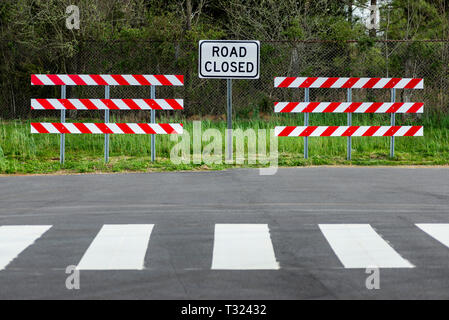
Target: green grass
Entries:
(22, 152)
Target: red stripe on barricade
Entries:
(174, 104)
(103, 128)
(88, 104)
(329, 131)
(371, 131)
(146, 128)
(415, 107)
(167, 128)
(67, 104)
(55, 79)
(371, 83)
(308, 131)
(392, 83)
(180, 78)
(390, 132)
(36, 81)
(353, 107)
(332, 106)
(286, 82)
(311, 106)
(286, 131)
(350, 131)
(153, 104)
(77, 79)
(308, 82)
(329, 82)
(394, 107)
(60, 127)
(413, 83)
(350, 83)
(412, 131)
(125, 128)
(374, 107)
(98, 80)
(131, 104)
(110, 104)
(82, 128)
(163, 80)
(47, 105)
(120, 80)
(39, 127)
(142, 80)
(290, 106)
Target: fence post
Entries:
(153, 120)
(106, 120)
(393, 122)
(62, 143)
(306, 123)
(349, 124)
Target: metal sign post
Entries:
(393, 121)
(229, 118)
(229, 59)
(62, 143)
(153, 120)
(349, 124)
(106, 120)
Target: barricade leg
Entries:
(306, 123)
(153, 120)
(393, 122)
(62, 142)
(349, 147)
(106, 120)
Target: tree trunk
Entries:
(372, 31)
(350, 11)
(189, 15)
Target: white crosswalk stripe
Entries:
(235, 246)
(359, 246)
(243, 247)
(15, 239)
(438, 231)
(118, 247)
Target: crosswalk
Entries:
(243, 247)
(359, 246)
(118, 247)
(235, 246)
(15, 239)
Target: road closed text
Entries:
(229, 59)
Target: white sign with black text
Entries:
(229, 59)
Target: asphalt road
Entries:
(184, 210)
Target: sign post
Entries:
(229, 59)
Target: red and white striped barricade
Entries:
(107, 104)
(348, 107)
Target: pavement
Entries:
(304, 233)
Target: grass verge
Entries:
(24, 153)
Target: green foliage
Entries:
(294, 31)
(161, 36)
(418, 19)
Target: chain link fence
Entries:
(206, 98)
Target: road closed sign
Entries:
(229, 59)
